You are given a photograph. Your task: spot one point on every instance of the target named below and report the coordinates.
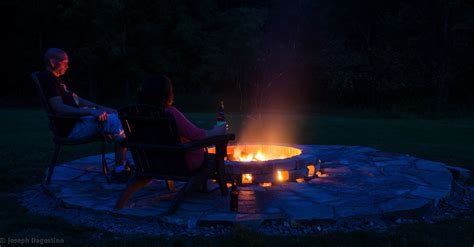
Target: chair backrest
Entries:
(145, 124)
(59, 127)
(40, 93)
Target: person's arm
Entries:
(186, 129)
(84, 102)
(59, 107)
(189, 131)
(217, 130)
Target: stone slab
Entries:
(404, 204)
(431, 193)
(459, 174)
(357, 181)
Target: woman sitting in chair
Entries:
(158, 91)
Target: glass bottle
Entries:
(220, 115)
(234, 197)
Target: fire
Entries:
(240, 155)
(282, 175)
(246, 178)
(321, 174)
(300, 180)
(311, 170)
(258, 153)
(260, 156)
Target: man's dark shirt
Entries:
(54, 86)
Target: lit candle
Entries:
(311, 170)
(282, 175)
(265, 184)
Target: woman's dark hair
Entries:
(156, 90)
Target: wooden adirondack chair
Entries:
(60, 127)
(153, 140)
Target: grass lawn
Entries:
(26, 147)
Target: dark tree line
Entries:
(401, 55)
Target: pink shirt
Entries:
(189, 132)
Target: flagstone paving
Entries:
(356, 182)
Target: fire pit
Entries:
(268, 164)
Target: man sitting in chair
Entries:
(94, 119)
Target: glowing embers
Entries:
(282, 176)
(246, 157)
(321, 174)
(246, 178)
(311, 170)
(300, 180)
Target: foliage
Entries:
(414, 55)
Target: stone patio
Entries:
(356, 182)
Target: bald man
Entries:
(65, 102)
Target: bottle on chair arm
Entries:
(220, 120)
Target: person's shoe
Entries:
(120, 174)
(130, 167)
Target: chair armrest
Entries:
(213, 140)
(188, 146)
(167, 148)
(56, 116)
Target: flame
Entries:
(311, 170)
(267, 184)
(279, 176)
(239, 155)
(247, 178)
(250, 152)
(282, 175)
(260, 156)
(321, 174)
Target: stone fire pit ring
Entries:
(301, 163)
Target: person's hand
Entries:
(100, 115)
(107, 109)
(220, 129)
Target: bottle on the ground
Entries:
(234, 197)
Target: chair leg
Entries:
(52, 164)
(181, 194)
(220, 177)
(221, 152)
(105, 168)
(135, 185)
(222, 185)
(204, 187)
(177, 201)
